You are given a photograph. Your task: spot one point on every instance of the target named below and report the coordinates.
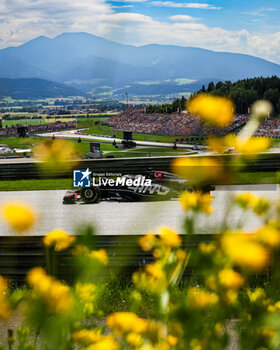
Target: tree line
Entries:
(245, 92)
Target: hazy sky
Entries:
(245, 26)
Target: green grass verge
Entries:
(64, 184)
(107, 130)
(28, 142)
(27, 121)
(83, 147)
(22, 142)
(146, 152)
(261, 178)
(36, 185)
(84, 122)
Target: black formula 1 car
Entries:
(153, 186)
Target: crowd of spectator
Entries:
(49, 127)
(269, 128)
(136, 120)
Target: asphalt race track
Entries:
(73, 134)
(111, 218)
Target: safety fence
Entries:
(18, 254)
(15, 170)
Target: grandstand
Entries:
(49, 127)
(136, 120)
(269, 128)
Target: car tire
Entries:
(90, 195)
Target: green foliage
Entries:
(245, 92)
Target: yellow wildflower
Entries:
(245, 200)
(86, 293)
(152, 279)
(80, 249)
(277, 305)
(86, 336)
(59, 239)
(19, 215)
(274, 222)
(230, 279)
(134, 339)
(199, 169)
(176, 329)
(244, 251)
(212, 109)
(269, 235)
(147, 242)
(204, 203)
(267, 332)
(5, 308)
(155, 331)
(55, 294)
(261, 206)
(169, 237)
(271, 308)
(196, 344)
(126, 322)
(58, 297)
(158, 253)
(256, 296)
(55, 155)
(172, 341)
(189, 200)
(201, 299)
(218, 328)
(207, 248)
(250, 201)
(106, 343)
(249, 146)
(216, 144)
(211, 282)
(155, 270)
(181, 255)
(229, 297)
(99, 255)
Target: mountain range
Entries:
(101, 67)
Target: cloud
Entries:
(22, 20)
(184, 5)
(183, 18)
(121, 6)
(261, 12)
(135, 28)
(128, 0)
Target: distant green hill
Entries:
(33, 88)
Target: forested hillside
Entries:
(247, 91)
(32, 88)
